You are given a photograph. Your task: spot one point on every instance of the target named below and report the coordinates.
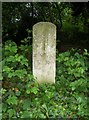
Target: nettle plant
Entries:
(22, 97)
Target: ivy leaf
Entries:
(6, 69)
(24, 61)
(26, 104)
(20, 73)
(34, 90)
(17, 57)
(10, 59)
(11, 112)
(10, 75)
(2, 91)
(4, 107)
(25, 114)
(12, 100)
(31, 90)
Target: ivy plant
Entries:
(23, 97)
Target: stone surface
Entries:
(44, 52)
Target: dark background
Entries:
(71, 19)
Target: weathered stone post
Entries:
(44, 52)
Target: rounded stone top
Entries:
(44, 23)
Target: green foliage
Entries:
(72, 77)
(24, 98)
